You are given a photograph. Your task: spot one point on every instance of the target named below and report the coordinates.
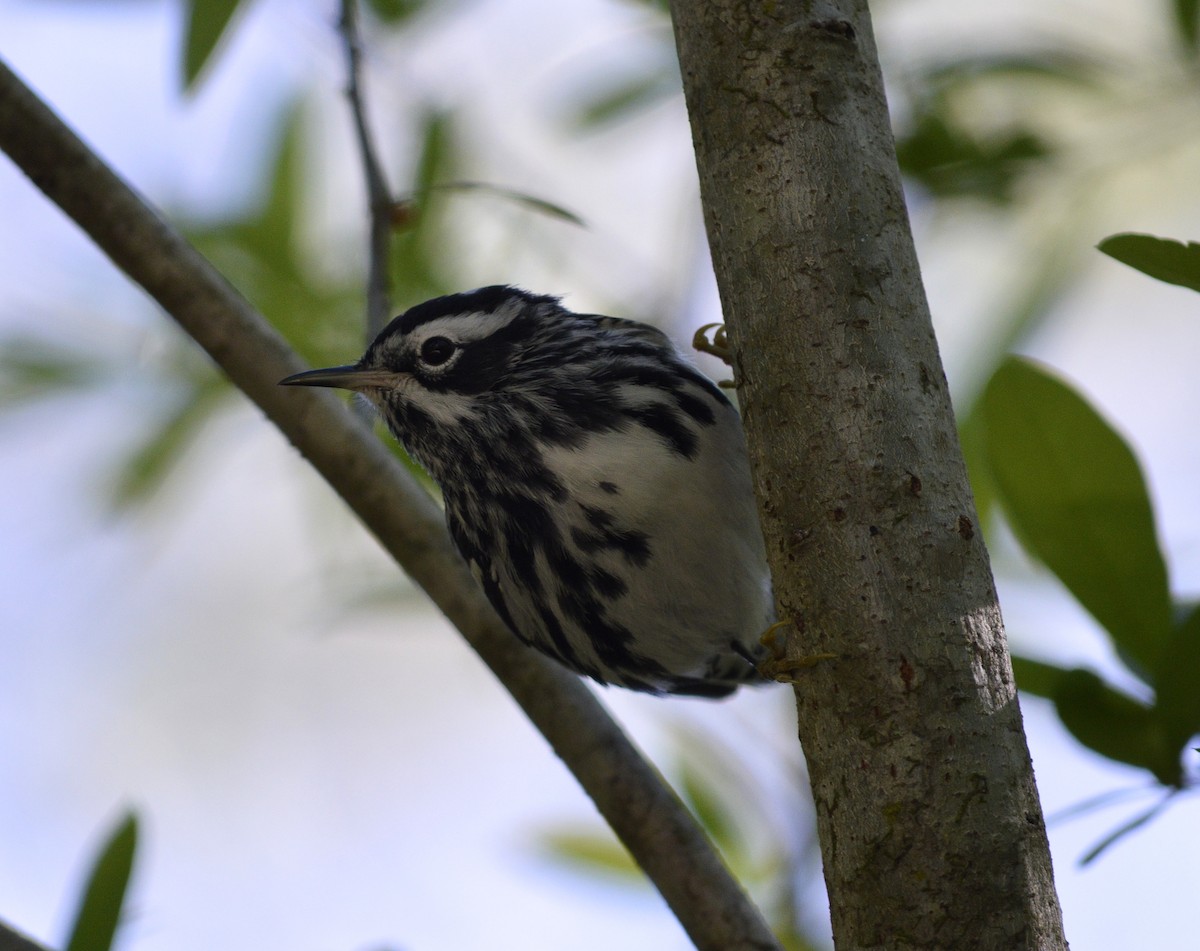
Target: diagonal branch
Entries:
(644, 813)
(13, 940)
(379, 198)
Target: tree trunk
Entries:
(931, 830)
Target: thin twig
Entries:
(659, 833)
(379, 197)
(1101, 801)
(1125, 829)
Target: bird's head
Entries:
(472, 368)
(499, 373)
(466, 344)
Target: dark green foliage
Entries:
(260, 252)
(395, 12)
(1172, 261)
(1075, 496)
(206, 21)
(103, 897)
(951, 160)
(944, 146)
(1177, 680)
(1187, 24)
(1035, 677)
(419, 244)
(1114, 724)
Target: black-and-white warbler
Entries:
(595, 481)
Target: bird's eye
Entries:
(436, 350)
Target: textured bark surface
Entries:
(931, 830)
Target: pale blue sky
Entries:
(317, 779)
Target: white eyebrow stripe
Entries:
(465, 327)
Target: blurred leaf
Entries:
(261, 255)
(205, 22)
(793, 939)
(953, 161)
(1161, 258)
(1055, 65)
(540, 205)
(393, 12)
(1114, 724)
(419, 250)
(705, 803)
(1076, 498)
(661, 6)
(1187, 23)
(1177, 681)
(623, 99)
(973, 439)
(594, 851)
(947, 144)
(1037, 677)
(99, 912)
(143, 473)
(1121, 831)
(1051, 265)
(33, 369)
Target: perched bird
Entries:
(594, 480)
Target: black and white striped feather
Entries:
(594, 480)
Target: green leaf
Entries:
(260, 253)
(35, 369)
(952, 160)
(659, 6)
(1075, 496)
(972, 439)
(1037, 677)
(955, 149)
(1177, 681)
(1187, 23)
(393, 12)
(594, 851)
(705, 803)
(622, 100)
(1114, 724)
(99, 911)
(418, 253)
(532, 202)
(1171, 261)
(148, 467)
(206, 22)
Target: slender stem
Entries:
(379, 197)
(647, 817)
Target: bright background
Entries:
(318, 760)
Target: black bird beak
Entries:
(350, 377)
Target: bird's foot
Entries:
(718, 346)
(779, 667)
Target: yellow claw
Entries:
(784, 669)
(718, 346)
